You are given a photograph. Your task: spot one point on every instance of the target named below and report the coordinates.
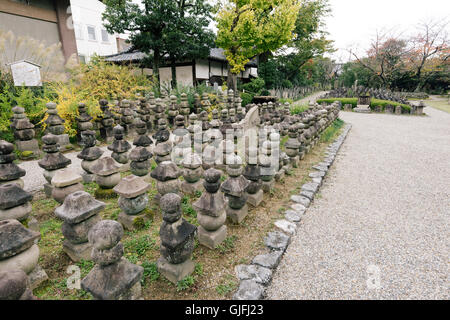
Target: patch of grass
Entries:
(443, 105)
(373, 103)
(139, 245)
(227, 245)
(90, 187)
(227, 286)
(298, 109)
(329, 133)
(186, 283)
(151, 273)
(187, 207)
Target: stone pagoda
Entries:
(211, 214)
(15, 203)
(9, 171)
(113, 277)
(24, 133)
(133, 200)
(80, 212)
(235, 189)
(120, 148)
(19, 251)
(89, 155)
(55, 126)
(177, 241)
(107, 176)
(83, 122)
(53, 160)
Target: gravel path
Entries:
(385, 207)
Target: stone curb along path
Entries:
(256, 276)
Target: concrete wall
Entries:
(23, 26)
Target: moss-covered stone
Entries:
(101, 193)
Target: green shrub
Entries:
(298, 109)
(246, 98)
(373, 103)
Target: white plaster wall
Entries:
(89, 13)
(202, 69)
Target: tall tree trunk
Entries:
(231, 80)
(174, 73)
(156, 63)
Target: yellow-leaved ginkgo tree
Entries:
(247, 28)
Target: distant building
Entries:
(214, 69)
(43, 20)
(76, 24)
(91, 36)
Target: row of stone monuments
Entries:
(192, 150)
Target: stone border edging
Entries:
(256, 276)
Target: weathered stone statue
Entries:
(19, 251)
(177, 241)
(24, 133)
(140, 161)
(211, 213)
(252, 173)
(52, 161)
(192, 172)
(106, 121)
(166, 175)
(9, 171)
(113, 277)
(133, 200)
(80, 212)
(14, 286)
(107, 176)
(83, 122)
(235, 189)
(55, 126)
(89, 154)
(15, 203)
(120, 148)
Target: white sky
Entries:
(353, 23)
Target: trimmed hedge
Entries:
(374, 103)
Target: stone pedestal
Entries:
(362, 109)
(237, 215)
(255, 199)
(175, 272)
(211, 239)
(267, 186)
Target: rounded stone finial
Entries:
(170, 203)
(212, 175)
(105, 234)
(118, 129)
